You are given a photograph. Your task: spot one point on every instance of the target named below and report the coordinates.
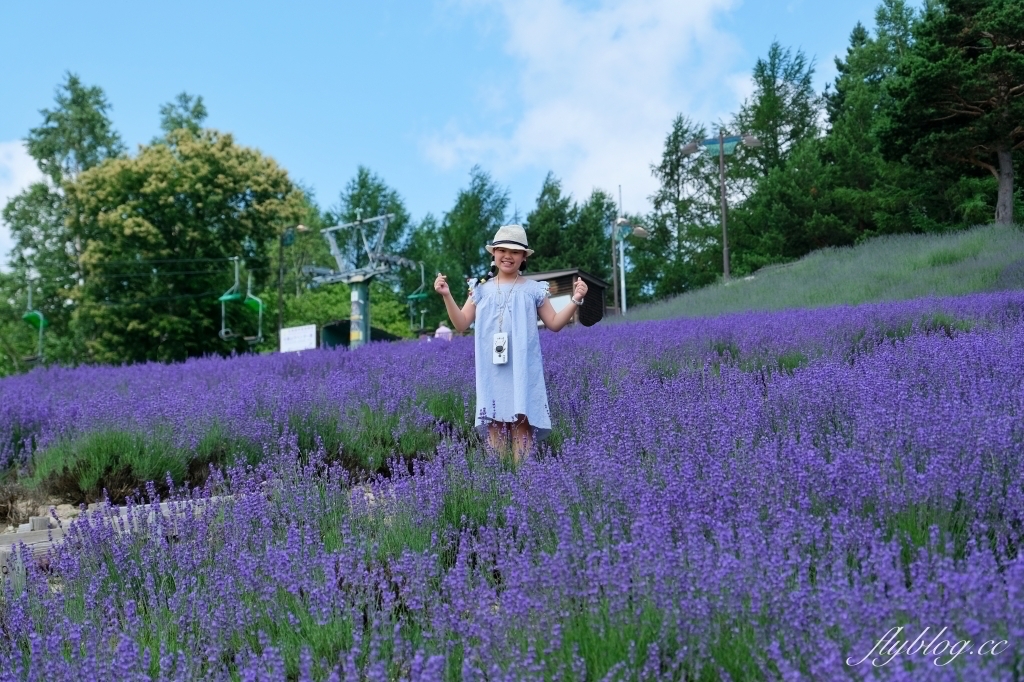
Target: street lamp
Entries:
(723, 145)
(620, 230)
(286, 238)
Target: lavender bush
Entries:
(758, 496)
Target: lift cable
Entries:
(142, 261)
(160, 273)
(157, 299)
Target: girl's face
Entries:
(508, 260)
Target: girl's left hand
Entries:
(581, 289)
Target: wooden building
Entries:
(560, 288)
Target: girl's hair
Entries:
(493, 272)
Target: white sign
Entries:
(298, 338)
(559, 302)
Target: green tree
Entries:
(683, 249)
(478, 212)
(157, 231)
(783, 114)
(790, 214)
(74, 136)
(332, 303)
(567, 235)
(184, 113)
(16, 337)
(784, 110)
(866, 192)
(547, 228)
(367, 196)
(588, 238)
(958, 96)
(424, 245)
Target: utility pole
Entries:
(286, 238)
(280, 288)
(721, 180)
(615, 281)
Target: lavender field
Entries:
(759, 496)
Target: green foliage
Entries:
(586, 241)
(79, 469)
(184, 113)
(784, 108)
(787, 216)
(478, 212)
(153, 267)
(75, 136)
(958, 95)
(367, 196)
(566, 235)
(331, 303)
(547, 224)
(605, 639)
(17, 339)
(683, 251)
(424, 245)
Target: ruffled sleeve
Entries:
(541, 293)
(476, 291)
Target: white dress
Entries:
(517, 387)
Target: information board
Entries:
(298, 338)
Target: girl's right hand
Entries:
(441, 284)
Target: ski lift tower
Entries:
(359, 279)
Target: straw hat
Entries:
(511, 237)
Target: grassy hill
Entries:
(899, 267)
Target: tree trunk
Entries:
(1004, 202)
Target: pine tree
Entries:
(958, 96)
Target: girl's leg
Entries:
(522, 438)
(496, 434)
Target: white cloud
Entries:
(18, 170)
(598, 89)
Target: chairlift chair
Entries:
(230, 296)
(37, 321)
(254, 302)
(418, 295)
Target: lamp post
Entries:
(620, 231)
(286, 238)
(723, 145)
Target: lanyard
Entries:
(504, 304)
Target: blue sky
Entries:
(418, 92)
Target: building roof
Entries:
(555, 274)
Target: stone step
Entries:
(31, 537)
(38, 541)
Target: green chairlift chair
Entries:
(415, 297)
(37, 321)
(249, 300)
(253, 302)
(230, 296)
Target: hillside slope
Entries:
(989, 258)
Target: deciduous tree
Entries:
(157, 231)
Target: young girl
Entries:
(511, 397)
